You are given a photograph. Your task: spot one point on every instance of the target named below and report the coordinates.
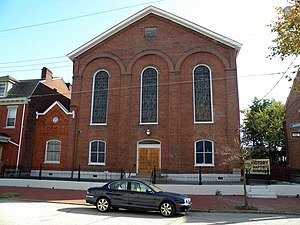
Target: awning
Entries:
(4, 138)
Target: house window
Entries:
(53, 148)
(149, 102)
(2, 90)
(204, 153)
(97, 153)
(202, 95)
(11, 116)
(100, 98)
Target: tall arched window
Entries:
(149, 100)
(202, 94)
(204, 153)
(53, 148)
(100, 98)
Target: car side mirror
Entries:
(149, 191)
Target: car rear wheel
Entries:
(103, 204)
(167, 209)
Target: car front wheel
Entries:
(103, 204)
(167, 209)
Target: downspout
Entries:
(74, 140)
(20, 139)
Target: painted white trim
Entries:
(211, 96)
(159, 12)
(99, 163)
(14, 101)
(61, 106)
(92, 103)
(213, 154)
(20, 138)
(141, 89)
(48, 161)
(141, 145)
(10, 108)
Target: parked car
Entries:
(137, 195)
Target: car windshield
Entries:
(155, 188)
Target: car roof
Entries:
(128, 180)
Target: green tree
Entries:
(263, 129)
(286, 27)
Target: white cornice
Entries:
(61, 106)
(11, 101)
(151, 9)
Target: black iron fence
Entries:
(157, 175)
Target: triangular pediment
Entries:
(159, 12)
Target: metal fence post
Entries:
(40, 172)
(122, 175)
(154, 176)
(200, 176)
(79, 173)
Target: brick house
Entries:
(19, 101)
(157, 91)
(51, 140)
(292, 121)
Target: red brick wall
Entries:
(46, 130)
(292, 115)
(174, 53)
(10, 151)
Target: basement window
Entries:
(150, 32)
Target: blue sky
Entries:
(24, 51)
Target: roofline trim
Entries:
(61, 106)
(153, 10)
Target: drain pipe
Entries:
(20, 139)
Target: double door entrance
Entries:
(149, 156)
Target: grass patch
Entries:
(9, 195)
(249, 207)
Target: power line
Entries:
(57, 62)
(32, 60)
(279, 79)
(77, 17)
(54, 67)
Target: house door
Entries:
(148, 157)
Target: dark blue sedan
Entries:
(137, 195)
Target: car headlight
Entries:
(187, 200)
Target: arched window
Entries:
(204, 153)
(53, 148)
(97, 152)
(100, 98)
(149, 99)
(202, 95)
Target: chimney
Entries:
(46, 74)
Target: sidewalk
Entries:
(204, 203)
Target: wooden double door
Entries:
(148, 158)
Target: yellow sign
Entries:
(258, 166)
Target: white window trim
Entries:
(92, 105)
(93, 163)
(52, 162)
(211, 99)
(141, 123)
(5, 90)
(213, 155)
(8, 109)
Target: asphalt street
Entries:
(15, 212)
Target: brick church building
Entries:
(157, 91)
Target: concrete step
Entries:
(261, 191)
